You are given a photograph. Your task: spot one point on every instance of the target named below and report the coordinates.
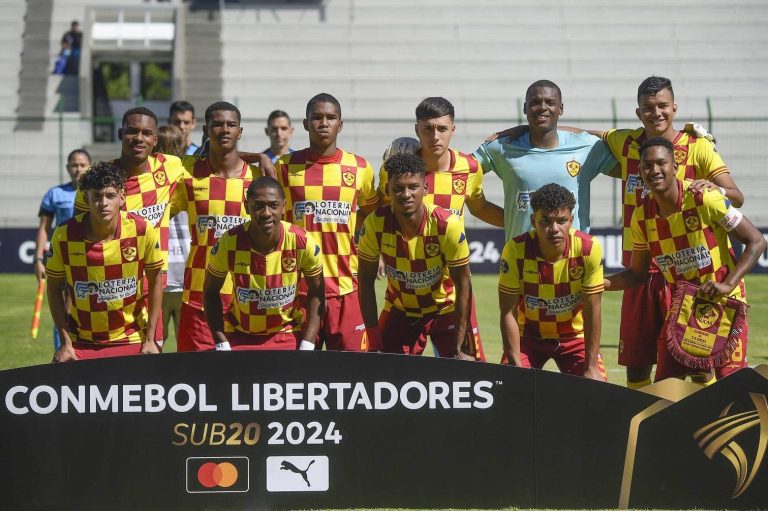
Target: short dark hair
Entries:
(543, 84)
(139, 110)
(656, 141)
(552, 197)
(264, 182)
(277, 114)
(78, 151)
(221, 106)
(102, 175)
(401, 164)
(434, 107)
(653, 85)
(181, 106)
(323, 97)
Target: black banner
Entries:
(277, 430)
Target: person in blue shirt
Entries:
(279, 130)
(56, 208)
(544, 155)
(182, 115)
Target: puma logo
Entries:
(287, 465)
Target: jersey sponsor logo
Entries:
(504, 266)
(573, 167)
(706, 314)
(685, 260)
(129, 253)
(273, 298)
(289, 263)
(681, 154)
(160, 177)
(552, 306)
(219, 224)
(417, 279)
(523, 200)
(323, 211)
(692, 223)
(635, 184)
(432, 249)
(459, 186)
(106, 290)
(348, 178)
(576, 272)
(731, 219)
(152, 214)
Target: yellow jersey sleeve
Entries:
(615, 140)
(475, 183)
(455, 246)
(218, 262)
(719, 210)
(153, 256)
(368, 247)
(54, 266)
(367, 191)
(179, 200)
(639, 240)
(509, 280)
(592, 282)
(707, 161)
(311, 261)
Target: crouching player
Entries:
(264, 257)
(686, 233)
(101, 257)
(550, 285)
(426, 255)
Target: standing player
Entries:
(182, 115)
(453, 178)
(212, 193)
(544, 155)
(101, 258)
(58, 205)
(685, 230)
(279, 130)
(324, 186)
(426, 256)
(265, 257)
(550, 285)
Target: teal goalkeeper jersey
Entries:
(524, 169)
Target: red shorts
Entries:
(643, 311)
(342, 326)
(568, 355)
(285, 341)
(406, 335)
(474, 345)
(87, 350)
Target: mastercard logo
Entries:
(217, 475)
(211, 474)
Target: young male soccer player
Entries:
(550, 285)
(212, 192)
(182, 115)
(279, 130)
(427, 265)
(266, 258)
(685, 230)
(544, 155)
(453, 178)
(102, 257)
(324, 186)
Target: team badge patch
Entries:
(348, 177)
(432, 249)
(129, 253)
(681, 154)
(573, 167)
(459, 186)
(706, 314)
(692, 223)
(160, 177)
(576, 272)
(289, 263)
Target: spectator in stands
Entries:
(279, 130)
(182, 115)
(170, 140)
(57, 207)
(71, 42)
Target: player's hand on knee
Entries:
(65, 353)
(382, 271)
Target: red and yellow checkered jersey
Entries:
(551, 303)
(449, 189)
(696, 159)
(691, 244)
(418, 281)
(105, 279)
(214, 205)
(264, 300)
(322, 196)
(148, 195)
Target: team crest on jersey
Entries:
(573, 167)
(160, 177)
(348, 177)
(432, 249)
(692, 223)
(289, 263)
(129, 253)
(576, 272)
(681, 154)
(459, 186)
(706, 315)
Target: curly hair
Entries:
(552, 197)
(404, 163)
(102, 175)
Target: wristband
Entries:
(40, 259)
(722, 190)
(306, 345)
(223, 346)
